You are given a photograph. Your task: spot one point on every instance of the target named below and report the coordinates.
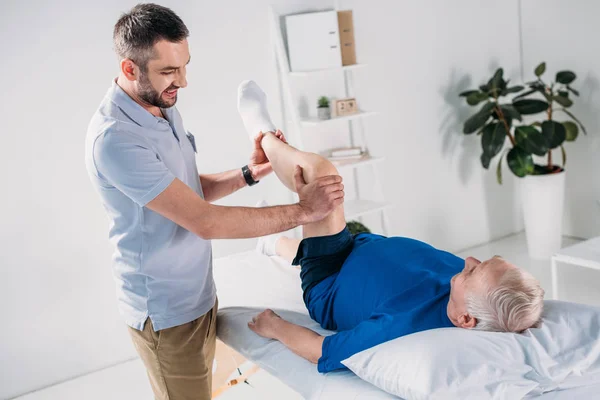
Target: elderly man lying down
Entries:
(370, 288)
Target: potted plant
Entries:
(529, 154)
(356, 227)
(323, 109)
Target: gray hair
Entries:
(515, 305)
(137, 31)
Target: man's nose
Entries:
(472, 261)
(181, 80)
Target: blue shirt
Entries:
(386, 288)
(162, 270)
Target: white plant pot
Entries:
(543, 198)
(324, 113)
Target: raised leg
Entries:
(284, 159)
(252, 106)
(287, 248)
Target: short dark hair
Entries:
(137, 31)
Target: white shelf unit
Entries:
(319, 71)
(316, 121)
(357, 207)
(358, 162)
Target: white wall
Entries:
(420, 57)
(560, 33)
(56, 293)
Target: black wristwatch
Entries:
(248, 176)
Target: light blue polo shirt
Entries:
(162, 270)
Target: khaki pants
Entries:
(179, 359)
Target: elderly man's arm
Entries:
(302, 341)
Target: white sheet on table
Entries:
(247, 283)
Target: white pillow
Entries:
(453, 363)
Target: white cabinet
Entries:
(313, 41)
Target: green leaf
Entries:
(531, 140)
(570, 114)
(467, 92)
(572, 130)
(530, 106)
(563, 101)
(541, 87)
(479, 119)
(493, 139)
(537, 85)
(499, 171)
(564, 155)
(540, 170)
(356, 227)
(540, 69)
(475, 98)
(554, 132)
(563, 93)
(520, 162)
(525, 94)
(496, 84)
(511, 112)
(565, 77)
(514, 89)
(484, 88)
(485, 160)
(575, 92)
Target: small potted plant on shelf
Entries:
(323, 109)
(529, 155)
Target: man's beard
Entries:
(147, 93)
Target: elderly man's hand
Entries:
(265, 324)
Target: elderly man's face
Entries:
(476, 277)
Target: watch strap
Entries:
(248, 176)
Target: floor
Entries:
(128, 380)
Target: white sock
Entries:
(267, 245)
(252, 106)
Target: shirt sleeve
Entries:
(131, 166)
(386, 323)
(367, 334)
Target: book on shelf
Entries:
(345, 152)
(346, 158)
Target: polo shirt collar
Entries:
(130, 107)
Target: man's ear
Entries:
(467, 321)
(129, 69)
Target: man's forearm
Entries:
(302, 341)
(217, 186)
(221, 222)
